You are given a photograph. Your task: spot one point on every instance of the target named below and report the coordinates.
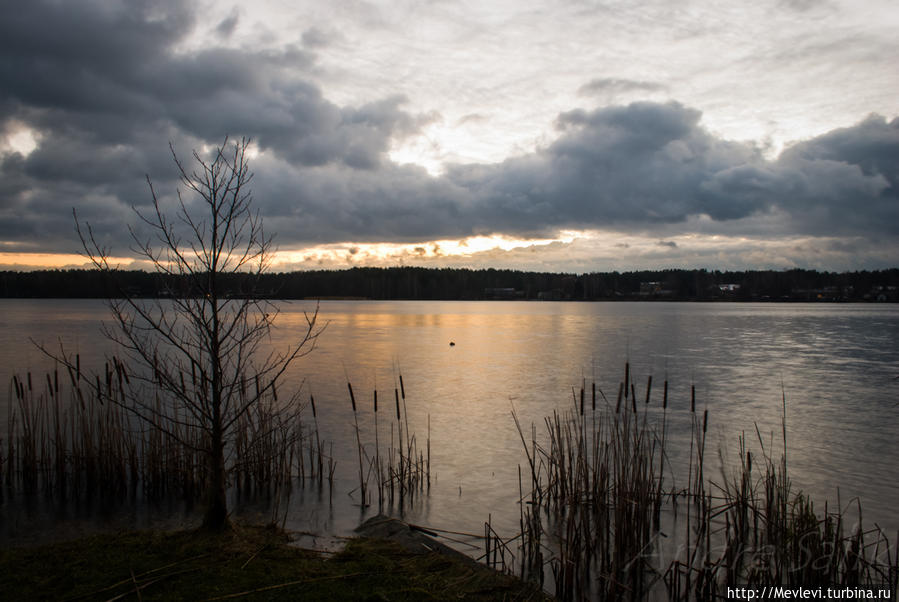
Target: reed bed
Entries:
(604, 518)
(71, 438)
(67, 437)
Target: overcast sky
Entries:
(579, 136)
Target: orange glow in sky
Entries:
(54, 261)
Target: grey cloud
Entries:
(336, 203)
(806, 5)
(648, 164)
(614, 85)
(13, 181)
(872, 145)
(642, 163)
(317, 38)
(845, 181)
(102, 69)
(637, 168)
(227, 25)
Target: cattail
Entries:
(693, 398)
(665, 396)
(352, 397)
(396, 396)
(376, 401)
(627, 377)
(312, 403)
(648, 388)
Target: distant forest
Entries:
(467, 284)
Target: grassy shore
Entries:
(247, 563)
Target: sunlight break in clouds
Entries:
(466, 252)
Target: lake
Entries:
(836, 366)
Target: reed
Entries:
(363, 479)
(598, 512)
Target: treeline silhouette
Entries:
(467, 284)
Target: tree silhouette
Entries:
(204, 363)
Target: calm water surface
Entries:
(836, 365)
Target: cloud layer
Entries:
(104, 86)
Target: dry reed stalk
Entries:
(362, 479)
(378, 471)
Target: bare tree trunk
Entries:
(216, 516)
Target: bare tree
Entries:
(203, 352)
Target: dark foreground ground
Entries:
(250, 563)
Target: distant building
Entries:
(883, 294)
(654, 289)
(650, 288)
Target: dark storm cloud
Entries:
(650, 164)
(638, 168)
(100, 71)
(104, 91)
(336, 203)
(640, 164)
(13, 182)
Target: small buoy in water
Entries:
(452, 344)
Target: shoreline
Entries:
(387, 560)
